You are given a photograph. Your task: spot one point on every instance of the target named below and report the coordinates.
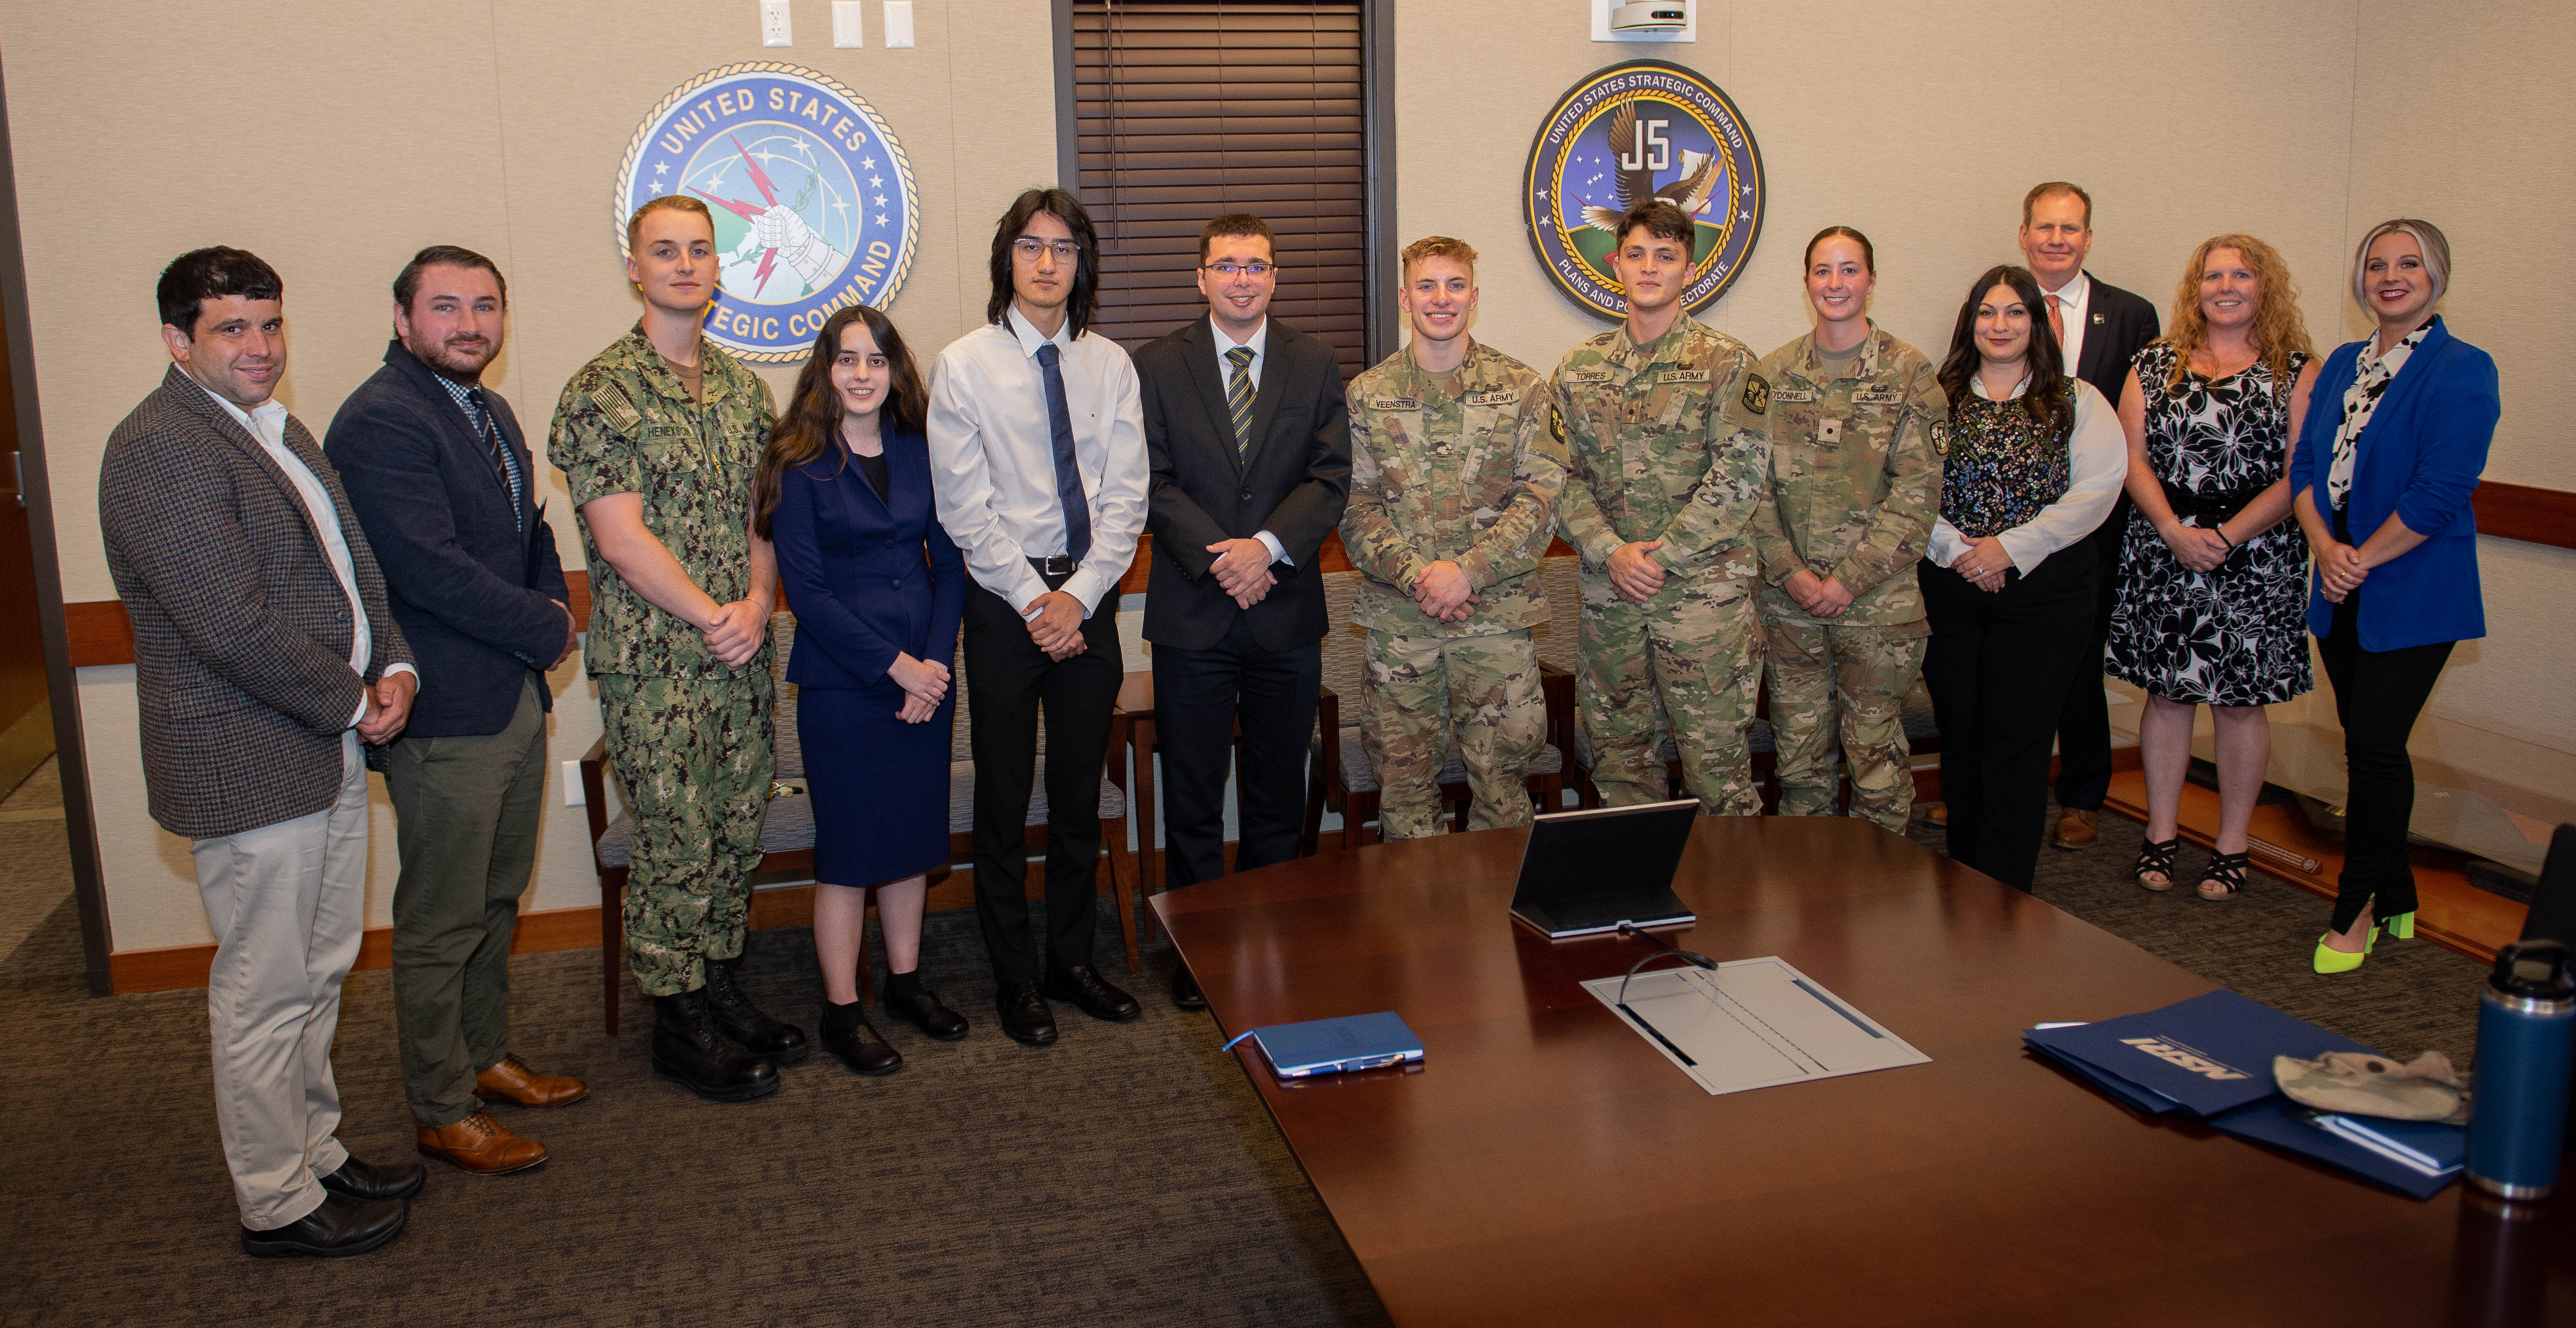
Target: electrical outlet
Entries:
(775, 29)
(846, 15)
(898, 24)
(572, 784)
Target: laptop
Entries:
(1586, 872)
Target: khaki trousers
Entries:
(465, 818)
(287, 903)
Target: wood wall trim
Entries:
(2522, 512)
(177, 967)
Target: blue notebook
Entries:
(1332, 1046)
(2209, 1054)
(2373, 1149)
(2140, 1099)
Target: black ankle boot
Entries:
(744, 1023)
(688, 1047)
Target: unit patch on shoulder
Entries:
(1757, 393)
(1941, 438)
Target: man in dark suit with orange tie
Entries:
(1250, 450)
(2101, 328)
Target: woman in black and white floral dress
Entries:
(2213, 580)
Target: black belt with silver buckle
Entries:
(1054, 565)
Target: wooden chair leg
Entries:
(1114, 834)
(1141, 736)
(1313, 830)
(612, 940)
(1358, 809)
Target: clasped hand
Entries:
(1242, 570)
(734, 632)
(1055, 623)
(1634, 574)
(2197, 549)
(388, 707)
(1823, 596)
(2340, 568)
(1443, 591)
(1984, 564)
(924, 685)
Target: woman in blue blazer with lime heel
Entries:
(2396, 434)
(877, 588)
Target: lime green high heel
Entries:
(2330, 960)
(2401, 927)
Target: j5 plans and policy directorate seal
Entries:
(1632, 132)
(812, 197)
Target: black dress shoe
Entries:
(1185, 990)
(860, 1048)
(1083, 987)
(926, 1013)
(688, 1047)
(744, 1023)
(342, 1226)
(367, 1183)
(1025, 1015)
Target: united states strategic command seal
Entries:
(812, 197)
(1634, 131)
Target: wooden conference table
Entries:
(1544, 1165)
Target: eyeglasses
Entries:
(1029, 247)
(1256, 271)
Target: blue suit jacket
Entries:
(2419, 460)
(474, 587)
(866, 579)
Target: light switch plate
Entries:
(898, 24)
(572, 784)
(775, 28)
(846, 33)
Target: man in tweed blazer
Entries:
(265, 656)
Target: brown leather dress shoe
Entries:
(480, 1146)
(513, 1081)
(2077, 829)
(1938, 815)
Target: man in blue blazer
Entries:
(441, 478)
(1249, 441)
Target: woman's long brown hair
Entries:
(812, 424)
(2047, 400)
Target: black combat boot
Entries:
(744, 1023)
(687, 1047)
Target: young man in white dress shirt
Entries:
(1037, 452)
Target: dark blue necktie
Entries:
(1068, 470)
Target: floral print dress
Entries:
(2236, 635)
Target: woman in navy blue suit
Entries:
(2397, 431)
(877, 589)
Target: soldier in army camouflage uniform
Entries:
(658, 438)
(1856, 421)
(1454, 481)
(1666, 458)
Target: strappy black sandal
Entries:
(2157, 856)
(2225, 878)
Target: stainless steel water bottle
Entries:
(2526, 1038)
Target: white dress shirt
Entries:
(2075, 302)
(2097, 463)
(1260, 345)
(992, 456)
(267, 423)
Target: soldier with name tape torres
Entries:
(1667, 455)
(1454, 482)
(1857, 421)
(658, 438)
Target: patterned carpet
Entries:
(1126, 1176)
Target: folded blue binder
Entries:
(2209, 1054)
(2283, 1124)
(1334, 1046)
(2142, 1100)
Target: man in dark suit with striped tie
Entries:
(1250, 448)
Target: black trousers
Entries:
(2084, 723)
(1007, 680)
(1198, 696)
(2378, 694)
(1998, 669)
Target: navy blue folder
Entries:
(1334, 1046)
(2140, 1099)
(2283, 1124)
(2209, 1054)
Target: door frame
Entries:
(62, 682)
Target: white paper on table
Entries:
(1752, 1023)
